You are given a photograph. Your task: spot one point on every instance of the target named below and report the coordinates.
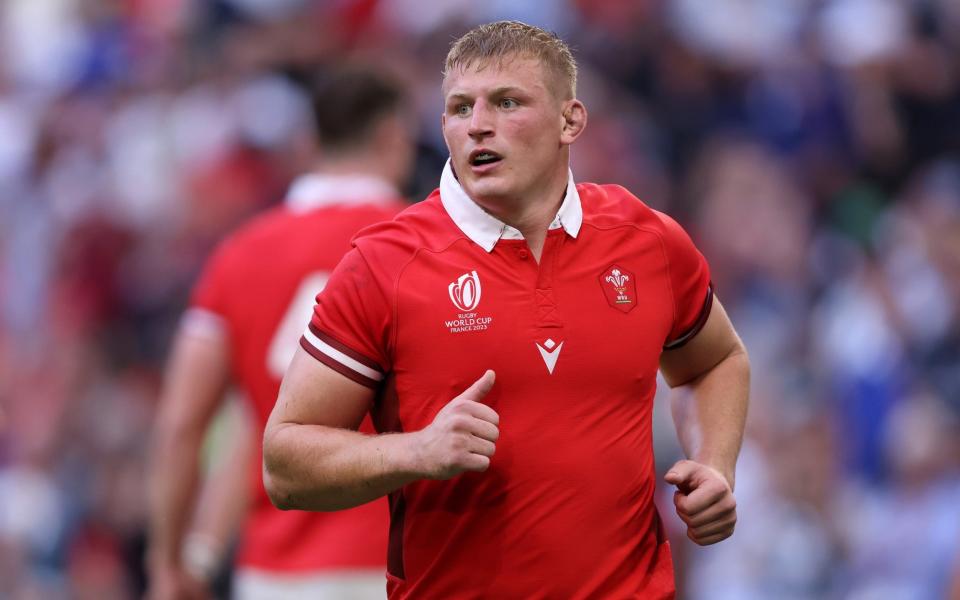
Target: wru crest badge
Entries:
(619, 287)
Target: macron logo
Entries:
(550, 353)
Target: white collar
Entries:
(485, 229)
(313, 190)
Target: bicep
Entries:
(715, 342)
(314, 394)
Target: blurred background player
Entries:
(265, 278)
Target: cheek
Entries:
(538, 144)
(521, 131)
(453, 136)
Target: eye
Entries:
(508, 103)
(462, 109)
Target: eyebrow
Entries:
(506, 89)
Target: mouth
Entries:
(483, 157)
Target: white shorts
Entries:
(253, 584)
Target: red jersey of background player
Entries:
(566, 508)
(259, 286)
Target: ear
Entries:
(574, 121)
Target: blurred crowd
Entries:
(811, 147)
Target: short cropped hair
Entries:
(348, 103)
(503, 39)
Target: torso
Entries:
(575, 342)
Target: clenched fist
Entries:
(704, 501)
(463, 435)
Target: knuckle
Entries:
(718, 489)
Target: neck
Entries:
(358, 164)
(532, 214)
(534, 223)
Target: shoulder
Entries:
(424, 226)
(249, 236)
(608, 206)
(285, 227)
(224, 268)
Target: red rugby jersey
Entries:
(424, 304)
(258, 289)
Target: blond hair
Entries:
(505, 39)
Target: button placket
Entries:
(548, 313)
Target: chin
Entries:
(486, 192)
(487, 188)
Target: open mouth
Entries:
(479, 158)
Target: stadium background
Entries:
(811, 147)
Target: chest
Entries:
(592, 315)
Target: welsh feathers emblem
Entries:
(619, 288)
(465, 291)
(617, 278)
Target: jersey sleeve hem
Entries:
(697, 325)
(341, 358)
(205, 323)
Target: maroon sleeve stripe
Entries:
(338, 366)
(335, 343)
(697, 326)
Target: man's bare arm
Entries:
(196, 378)
(710, 377)
(314, 459)
(224, 495)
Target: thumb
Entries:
(480, 387)
(682, 472)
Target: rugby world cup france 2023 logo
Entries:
(465, 295)
(465, 292)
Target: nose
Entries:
(481, 120)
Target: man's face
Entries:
(504, 126)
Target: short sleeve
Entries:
(690, 283)
(207, 313)
(350, 325)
